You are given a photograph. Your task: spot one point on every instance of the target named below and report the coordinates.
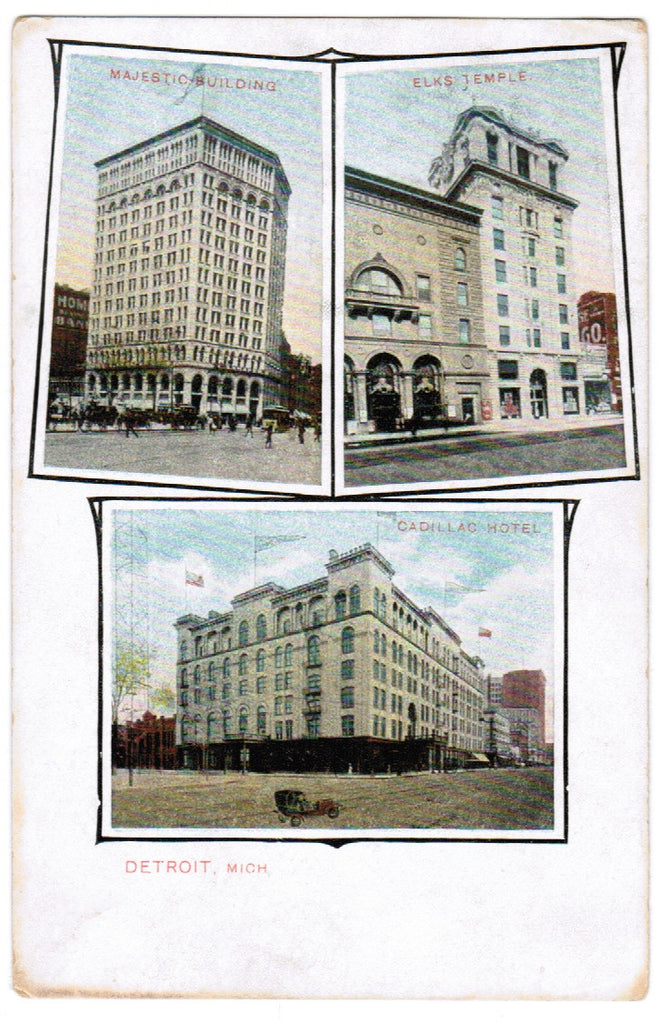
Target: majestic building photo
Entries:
(189, 239)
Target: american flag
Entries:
(263, 543)
(193, 579)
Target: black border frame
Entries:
(334, 58)
(569, 508)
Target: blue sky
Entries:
(105, 115)
(511, 575)
(396, 129)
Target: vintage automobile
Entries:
(292, 804)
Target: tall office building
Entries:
(337, 670)
(524, 703)
(530, 316)
(189, 272)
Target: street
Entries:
(189, 453)
(503, 798)
(483, 456)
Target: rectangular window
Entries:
(502, 303)
(464, 330)
(492, 148)
(425, 326)
(559, 255)
(570, 401)
(381, 325)
(535, 309)
(510, 403)
(499, 239)
(564, 314)
(531, 247)
(532, 276)
(508, 369)
(522, 162)
(504, 335)
(568, 371)
(501, 271)
(565, 341)
(497, 207)
(536, 337)
(557, 227)
(462, 294)
(552, 175)
(423, 286)
(561, 284)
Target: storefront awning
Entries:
(479, 757)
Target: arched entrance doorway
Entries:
(538, 395)
(348, 389)
(428, 405)
(383, 390)
(197, 390)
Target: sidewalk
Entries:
(510, 428)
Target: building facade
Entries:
(597, 324)
(531, 326)
(524, 703)
(68, 347)
(189, 271)
(414, 332)
(149, 742)
(346, 662)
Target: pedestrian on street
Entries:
(300, 432)
(129, 422)
(249, 426)
(268, 435)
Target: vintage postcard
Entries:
(289, 722)
(183, 331)
(255, 679)
(486, 304)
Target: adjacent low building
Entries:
(414, 333)
(343, 671)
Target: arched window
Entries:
(261, 720)
(376, 601)
(382, 607)
(313, 650)
(242, 721)
(227, 723)
(355, 600)
(243, 633)
(375, 642)
(347, 640)
(242, 665)
(197, 675)
(226, 668)
(278, 657)
(261, 627)
(376, 279)
(260, 661)
(211, 673)
(460, 259)
(340, 604)
(213, 728)
(287, 660)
